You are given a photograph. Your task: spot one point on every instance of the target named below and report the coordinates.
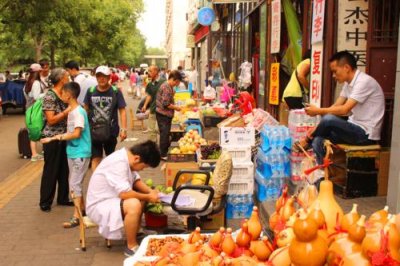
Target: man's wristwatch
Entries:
(123, 130)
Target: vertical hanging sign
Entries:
(275, 26)
(317, 51)
(352, 29)
(318, 21)
(274, 84)
(316, 74)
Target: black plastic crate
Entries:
(212, 121)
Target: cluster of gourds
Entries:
(322, 235)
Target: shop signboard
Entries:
(318, 21)
(190, 43)
(274, 84)
(231, 1)
(276, 26)
(316, 73)
(352, 29)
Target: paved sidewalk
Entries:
(32, 237)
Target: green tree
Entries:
(91, 31)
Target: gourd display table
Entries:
(354, 171)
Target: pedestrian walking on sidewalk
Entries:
(151, 93)
(78, 147)
(165, 109)
(103, 103)
(33, 91)
(55, 168)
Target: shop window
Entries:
(385, 21)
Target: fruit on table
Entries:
(228, 244)
(216, 238)
(243, 238)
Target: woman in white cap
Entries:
(33, 90)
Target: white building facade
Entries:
(176, 34)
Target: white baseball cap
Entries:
(105, 70)
(35, 67)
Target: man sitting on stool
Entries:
(361, 96)
(116, 194)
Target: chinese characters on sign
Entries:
(352, 29)
(276, 26)
(316, 74)
(318, 21)
(317, 51)
(274, 84)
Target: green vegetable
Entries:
(160, 188)
(149, 182)
(169, 190)
(154, 208)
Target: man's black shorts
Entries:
(108, 146)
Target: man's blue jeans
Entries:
(338, 131)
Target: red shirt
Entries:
(114, 78)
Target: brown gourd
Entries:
(216, 238)
(243, 238)
(254, 224)
(308, 248)
(347, 245)
(228, 244)
(333, 213)
(350, 218)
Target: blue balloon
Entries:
(206, 16)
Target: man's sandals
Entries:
(73, 222)
(302, 145)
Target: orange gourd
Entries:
(195, 236)
(288, 209)
(262, 249)
(280, 202)
(317, 215)
(254, 224)
(308, 248)
(398, 221)
(228, 244)
(344, 246)
(216, 238)
(243, 238)
(378, 219)
(350, 218)
(394, 239)
(280, 257)
(372, 241)
(356, 259)
(285, 237)
(333, 213)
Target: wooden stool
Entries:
(354, 171)
(139, 122)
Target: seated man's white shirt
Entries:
(111, 177)
(370, 108)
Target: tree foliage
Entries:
(90, 31)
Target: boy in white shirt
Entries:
(79, 146)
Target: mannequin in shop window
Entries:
(295, 94)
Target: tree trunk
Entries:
(52, 56)
(38, 48)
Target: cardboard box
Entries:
(237, 136)
(172, 168)
(238, 153)
(233, 121)
(383, 174)
(214, 222)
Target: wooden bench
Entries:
(354, 171)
